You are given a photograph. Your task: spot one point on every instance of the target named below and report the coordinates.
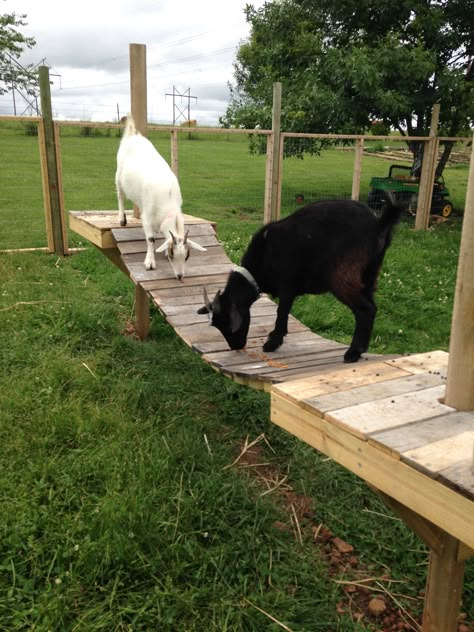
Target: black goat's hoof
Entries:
(272, 345)
(123, 222)
(351, 355)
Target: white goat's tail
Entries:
(130, 129)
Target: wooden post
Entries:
(44, 182)
(444, 587)
(138, 92)
(174, 152)
(272, 179)
(428, 168)
(359, 152)
(460, 383)
(53, 202)
(138, 98)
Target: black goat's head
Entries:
(231, 320)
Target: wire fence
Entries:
(222, 173)
(22, 215)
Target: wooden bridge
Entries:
(382, 418)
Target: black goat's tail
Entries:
(392, 211)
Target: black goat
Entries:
(333, 246)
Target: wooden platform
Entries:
(303, 352)
(387, 423)
(382, 418)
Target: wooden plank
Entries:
(185, 293)
(138, 272)
(209, 242)
(459, 476)
(425, 431)
(196, 260)
(184, 316)
(95, 226)
(287, 352)
(390, 412)
(441, 454)
(194, 335)
(349, 377)
(253, 343)
(270, 365)
(172, 284)
(135, 232)
(434, 501)
(374, 391)
(423, 362)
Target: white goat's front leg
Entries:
(150, 262)
(121, 205)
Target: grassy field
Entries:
(122, 509)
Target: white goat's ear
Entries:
(193, 244)
(164, 245)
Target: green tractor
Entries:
(406, 187)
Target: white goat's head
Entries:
(177, 251)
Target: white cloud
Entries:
(189, 45)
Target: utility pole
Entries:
(185, 111)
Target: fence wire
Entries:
(22, 217)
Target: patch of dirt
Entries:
(373, 599)
(129, 330)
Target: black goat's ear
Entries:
(235, 320)
(207, 307)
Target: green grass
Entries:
(118, 510)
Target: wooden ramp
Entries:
(303, 352)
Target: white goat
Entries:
(145, 178)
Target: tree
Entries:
(346, 63)
(12, 45)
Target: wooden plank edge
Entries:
(425, 496)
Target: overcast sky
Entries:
(190, 45)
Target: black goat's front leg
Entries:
(275, 337)
(364, 312)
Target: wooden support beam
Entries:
(273, 171)
(174, 152)
(427, 174)
(359, 152)
(53, 204)
(431, 535)
(138, 96)
(444, 587)
(460, 382)
(138, 92)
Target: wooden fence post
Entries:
(460, 383)
(174, 152)
(272, 176)
(138, 98)
(52, 190)
(427, 174)
(138, 92)
(359, 152)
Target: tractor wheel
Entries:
(446, 208)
